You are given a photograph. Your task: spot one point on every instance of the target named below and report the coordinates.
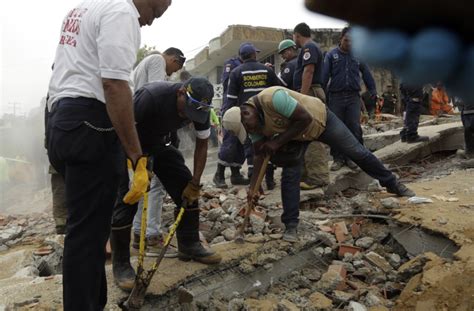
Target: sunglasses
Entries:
(201, 106)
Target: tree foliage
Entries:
(142, 52)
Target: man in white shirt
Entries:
(90, 122)
(155, 67)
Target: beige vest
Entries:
(275, 123)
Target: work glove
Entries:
(192, 192)
(139, 178)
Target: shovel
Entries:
(239, 237)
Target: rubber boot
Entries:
(219, 177)
(189, 246)
(124, 275)
(236, 178)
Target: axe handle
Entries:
(256, 187)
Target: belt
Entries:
(415, 99)
(467, 111)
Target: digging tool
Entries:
(135, 301)
(239, 237)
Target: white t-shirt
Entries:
(151, 68)
(99, 39)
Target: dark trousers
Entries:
(231, 151)
(346, 106)
(169, 167)
(339, 138)
(89, 161)
(412, 119)
(468, 124)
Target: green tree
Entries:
(142, 52)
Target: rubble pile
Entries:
(355, 264)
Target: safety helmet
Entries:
(288, 43)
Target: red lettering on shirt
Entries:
(72, 26)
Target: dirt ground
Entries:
(443, 285)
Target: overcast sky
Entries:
(29, 33)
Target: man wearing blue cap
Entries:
(231, 152)
(245, 81)
(161, 108)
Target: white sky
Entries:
(29, 33)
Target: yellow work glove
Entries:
(192, 192)
(139, 180)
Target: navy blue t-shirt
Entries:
(156, 113)
(287, 72)
(310, 53)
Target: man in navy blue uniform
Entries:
(412, 97)
(289, 52)
(341, 76)
(308, 81)
(246, 80)
(231, 152)
(160, 109)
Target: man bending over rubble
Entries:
(277, 116)
(160, 109)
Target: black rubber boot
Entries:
(237, 178)
(219, 177)
(269, 177)
(124, 275)
(189, 246)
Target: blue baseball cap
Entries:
(247, 48)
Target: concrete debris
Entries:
(390, 203)
(365, 242)
(320, 302)
(419, 200)
(378, 261)
(355, 306)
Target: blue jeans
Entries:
(339, 138)
(155, 205)
(346, 106)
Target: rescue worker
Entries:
(277, 116)
(308, 80)
(90, 115)
(231, 152)
(370, 103)
(289, 52)
(341, 79)
(161, 108)
(440, 101)
(467, 117)
(58, 192)
(155, 67)
(246, 80)
(412, 96)
(390, 101)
